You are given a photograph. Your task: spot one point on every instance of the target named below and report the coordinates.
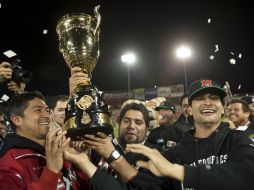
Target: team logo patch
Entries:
(206, 83)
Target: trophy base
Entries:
(78, 134)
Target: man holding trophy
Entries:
(79, 43)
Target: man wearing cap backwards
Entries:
(210, 156)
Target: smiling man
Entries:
(32, 157)
(239, 113)
(134, 122)
(133, 127)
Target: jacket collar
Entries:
(16, 141)
(189, 137)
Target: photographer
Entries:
(6, 77)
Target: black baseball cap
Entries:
(167, 105)
(204, 86)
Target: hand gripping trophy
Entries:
(86, 111)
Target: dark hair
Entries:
(61, 98)
(245, 106)
(137, 107)
(18, 103)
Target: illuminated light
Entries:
(183, 52)
(128, 58)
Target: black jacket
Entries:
(185, 121)
(224, 160)
(164, 137)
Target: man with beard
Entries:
(133, 127)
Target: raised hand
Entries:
(101, 143)
(77, 77)
(81, 160)
(56, 143)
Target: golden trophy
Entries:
(86, 112)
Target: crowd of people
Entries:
(209, 146)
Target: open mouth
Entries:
(44, 123)
(232, 116)
(207, 111)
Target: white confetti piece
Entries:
(232, 61)
(232, 53)
(239, 55)
(45, 31)
(239, 87)
(5, 98)
(211, 57)
(216, 48)
(9, 53)
(209, 20)
(0, 5)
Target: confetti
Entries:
(239, 55)
(9, 53)
(0, 5)
(5, 98)
(216, 48)
(232, 53)
(211, 57)
(45, 31)
(209, 20)
(239, 87)
(232, 61)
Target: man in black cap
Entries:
(210, 156)
(167, 113)
(167, 134)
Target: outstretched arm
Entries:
(157, 163)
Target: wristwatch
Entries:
(114, 155)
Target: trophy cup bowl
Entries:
(86, 111)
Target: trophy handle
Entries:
(98, 17)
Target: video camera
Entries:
(19, 75)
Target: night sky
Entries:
(151, 29)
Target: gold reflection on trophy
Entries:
(79, 40)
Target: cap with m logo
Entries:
(204, 86)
